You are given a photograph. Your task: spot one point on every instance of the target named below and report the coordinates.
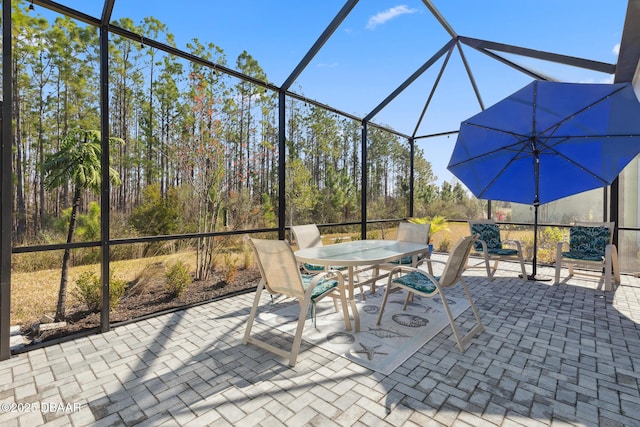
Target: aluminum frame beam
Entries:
(436, 13)
(430, 97)
(628, 61)
(449, 45)
(6, 184)
(470, 75)
(105, 184)
(629, 55)
(517, 67)
(573, 61)
(326, 34)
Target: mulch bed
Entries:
(153, 299)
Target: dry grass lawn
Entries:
(34, 295)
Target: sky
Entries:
(382, 42)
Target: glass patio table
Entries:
(360, 253)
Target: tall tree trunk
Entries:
(21, 216)
(62, 292)
(40, 208)
(151, 165)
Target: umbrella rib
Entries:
(488, 153)
(557, 124)
(494, 129)
(570, 160)
(504, 168)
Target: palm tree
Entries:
(77, 163)
(438, 223)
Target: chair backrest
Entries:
(591, 237)
(411, 232)
(278, 267)
(306, 236)
(488, 231)
(457, 261)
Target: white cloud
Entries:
(616, 49)
(327, 65)
(382, 17)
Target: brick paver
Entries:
(551, 355)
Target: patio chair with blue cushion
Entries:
(308, 236)
(409, 232)
(420, 282)
(590, 248)
(492, 248)
(281, 276)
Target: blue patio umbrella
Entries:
(547, 141)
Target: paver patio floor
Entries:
(563, 355)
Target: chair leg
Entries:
(429, 266)
(297, 340)
(454, 328)
(376, 272)
(384, 300)
(479, 327)
(473, 306)
(313, 313)
(615, 264)
(408, 298)
(607, 271)
(494, 268)
(524, 271)
(254, 309)
(611, 268)
(345, 310)
(487, 266)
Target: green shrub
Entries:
(445, 245)
(246, 256)
(89, 291)
(229, 269)
(178, 279)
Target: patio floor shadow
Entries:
(566, 354)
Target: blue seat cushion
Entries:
(405, 260)
(418, 282)
(582, 256)
(316, 267)
(322, 287)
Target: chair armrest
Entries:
(429, 260)
(559, 246)
(484, 246)
(407, 269)
(517, 244)
(327, 274)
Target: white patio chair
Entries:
(590, 248)
(409, 232)
(308, 236)
(420, 282)
(281, 275)
(490, 246)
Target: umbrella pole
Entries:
(536, 203)
(535, 243)
(534, 270)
